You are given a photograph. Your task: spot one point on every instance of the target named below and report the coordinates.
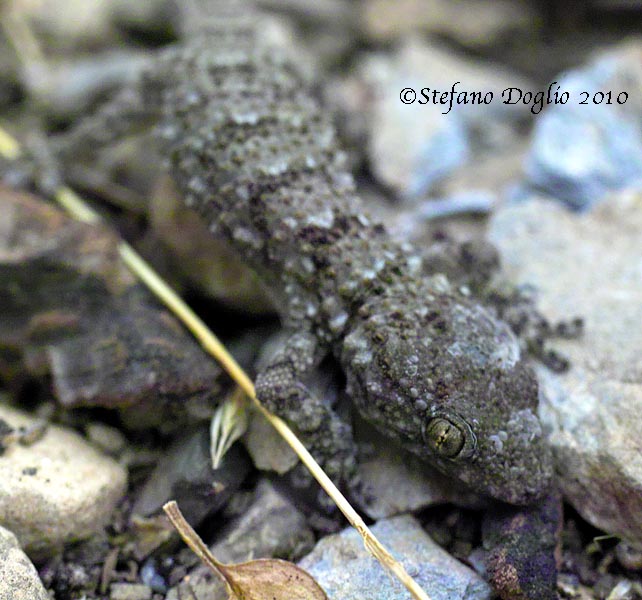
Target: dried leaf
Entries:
(270, 579)
(262, 579)
(229, 423)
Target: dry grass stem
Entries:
(81, 211)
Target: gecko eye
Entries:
(449, 436)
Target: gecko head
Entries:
(450, 384)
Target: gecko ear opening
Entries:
(449, 436)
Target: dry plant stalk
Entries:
(78, 209)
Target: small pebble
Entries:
(57, 489)
(108, 439)
(630, 557)
(130, 591)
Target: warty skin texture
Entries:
(252, 152)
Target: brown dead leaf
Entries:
(261, 579)
(270, 579)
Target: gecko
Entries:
(252, 151)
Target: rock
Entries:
(493, 173)
(57, 490)
(71, 308)
(581, 152)
(67, 87)
(206, 262)
(204, 586)
(129, 591)
(269, 451)
(109, 439)
(271, 527)
(151, 577)
(628, 556)
(413, 224)
(520, 544)
(396, 482)
(588, 266)
(66, 25)
(413, 146)
(185, 474)
(469, 22)
(346, 571)
(18, 577)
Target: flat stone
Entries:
(580, 152)
(346, 571)
(588, 265)
(396, 482)
(108, 439)
(129, 591)
(203, 586)
(57, 490)
(414, 146)
(269, 451)
(477, 23)
(18, 577)
(271, 527)
(185, 474)
(81, 316)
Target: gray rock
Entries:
(346, 571)
(129, 591)
(396, 482)
(413, 146)
(18, 577)
(271, 527)
(109, 439)
(269, 451)
(57, 490)
(589, 266)
(476, 23)
(630, 557)
(581, 152)
(203, 586)
(185, 474)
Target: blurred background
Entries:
(58, 58)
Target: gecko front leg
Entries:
(281, 389)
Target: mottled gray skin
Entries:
(253, 154)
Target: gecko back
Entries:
(253, 153)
